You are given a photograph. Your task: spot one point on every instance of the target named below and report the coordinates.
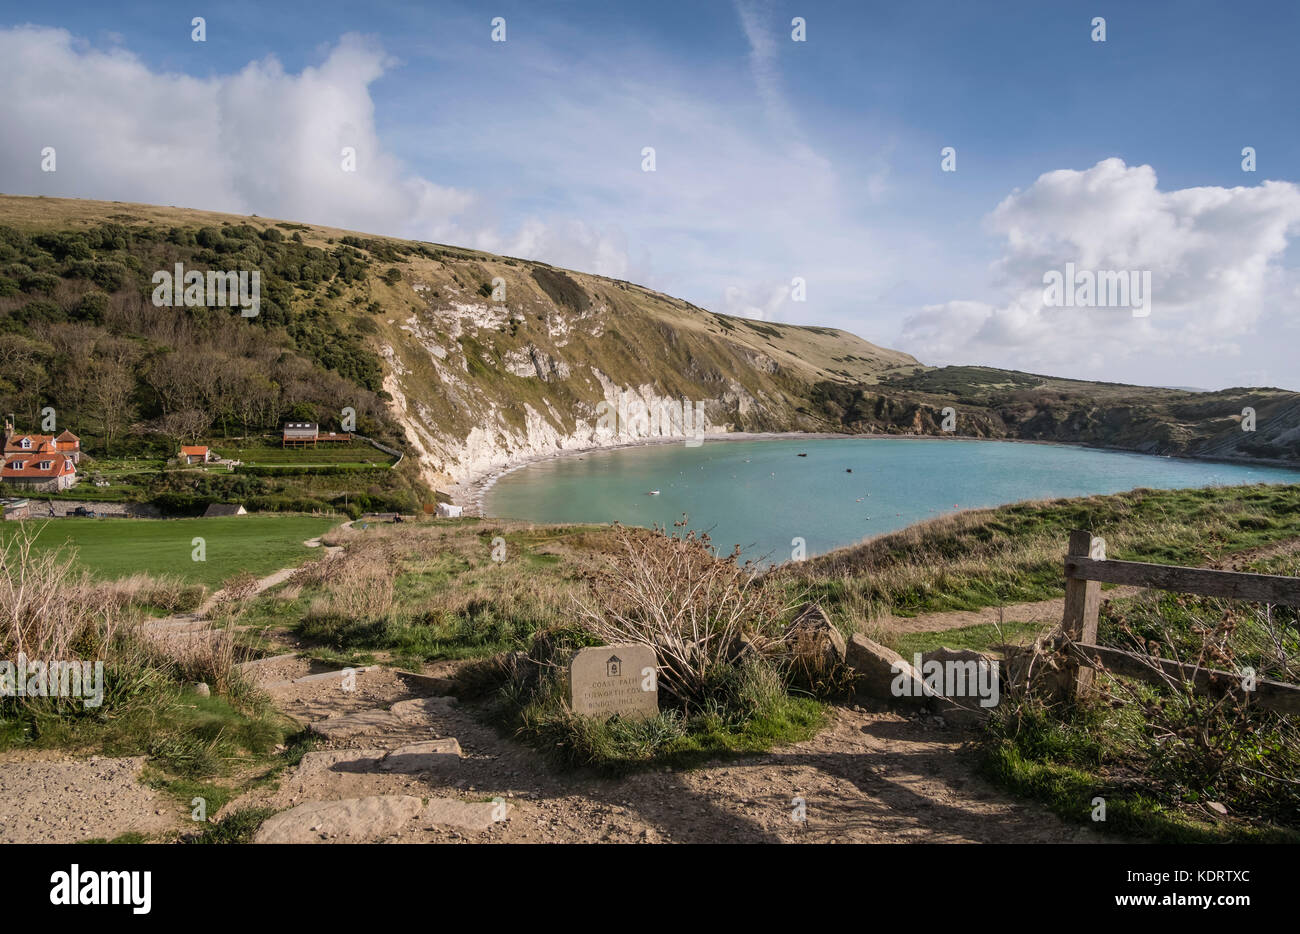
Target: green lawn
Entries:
(112, 548)
(340, 454)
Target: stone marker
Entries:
(614, 679)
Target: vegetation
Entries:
(113, 549)
(51, 610)
(1013, 554)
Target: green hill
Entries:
(466, 360)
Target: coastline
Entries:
(472, 492)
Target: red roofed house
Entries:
(194, 454)
(40, 462)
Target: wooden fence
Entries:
(1086, 569)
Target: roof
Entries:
(224, 509)
(67, 436)
(60, 465)
(188, 450)
(39, 444)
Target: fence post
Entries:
(1082, 601)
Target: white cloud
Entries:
(256, 141)
(1213, 253)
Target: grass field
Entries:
(339, 454)
(112, 548)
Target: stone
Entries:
(466, 815)
(623, 679)
(878, 669)
(339, 760)
(422, 709)
(356, 724)
(944, 654)
(814, 643)
(422, 757)
(352, 820)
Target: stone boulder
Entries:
(877, 671)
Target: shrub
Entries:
(700, 613)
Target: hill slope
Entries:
(471, 361)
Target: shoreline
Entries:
(472, 492)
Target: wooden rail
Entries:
(1086, 568)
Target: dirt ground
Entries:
(869, 777)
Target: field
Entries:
(340, 454)
(112, 548)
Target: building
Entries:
(301, 434)
(195, 454)
(224, 509)
(45, 472)
(16, 507)
(40, 462)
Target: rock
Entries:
(422, 757)
(467, 815)
(355, 724)
(339, 760)
(1217, 808)
(878, 668)
(352, 820)
(814, 642)
(423, 708)
(943, 654)
(200, 689)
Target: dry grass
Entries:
(48, 609)
(700, 614)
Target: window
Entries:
(26, 443)
(16, 465)
(43, 465)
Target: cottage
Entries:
(47, 472)
(195, 454)
(224, 509)
(40, 462)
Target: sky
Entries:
(793, 180)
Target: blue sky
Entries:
(775, 159)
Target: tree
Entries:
(109, 389)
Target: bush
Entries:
(702, 615)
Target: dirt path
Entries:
(866, 778)
(47, 797)
(1047, 612)
(1050, 612)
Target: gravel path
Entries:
(61, 800)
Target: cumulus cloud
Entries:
(1214, 255)
(260, 140)
(761, 302)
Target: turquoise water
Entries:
(762, 495)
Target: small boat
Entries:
(653, 493)
(801, 455)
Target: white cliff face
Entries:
(504, 433)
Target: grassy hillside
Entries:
(467, 360)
